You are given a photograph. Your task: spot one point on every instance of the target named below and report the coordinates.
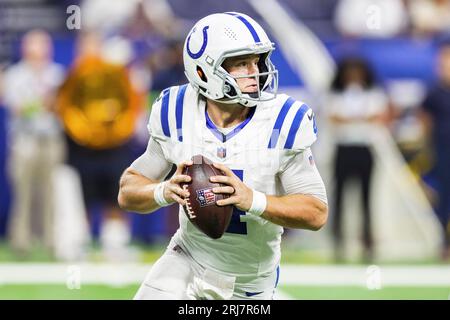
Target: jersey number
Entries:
(236, 226)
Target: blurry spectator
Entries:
(37, 144)
(99, 107)
(371, 18)
(436, 117)
(105, 16)
(355, 106)
(139, 18)
(429, 16)
(170, 70)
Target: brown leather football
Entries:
(201, 207)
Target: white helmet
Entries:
(222, 35)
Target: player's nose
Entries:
(253, 68)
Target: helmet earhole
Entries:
(201, 74)
(230, 90)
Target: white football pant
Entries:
(177, 276)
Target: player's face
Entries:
(243, 66)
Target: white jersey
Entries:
(262, 151)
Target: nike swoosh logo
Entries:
(310, 117)
(251, 294)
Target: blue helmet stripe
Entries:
(247, 24)
(279, 122)
(179, 111)
(165, 112)
(295, 126)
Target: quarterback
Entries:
(229, 112)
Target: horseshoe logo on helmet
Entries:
(203, 47)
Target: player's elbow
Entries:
(320, 217)
(122, 200)
(121, 197)
(124, 196)
(127, 204)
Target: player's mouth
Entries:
(251, 88)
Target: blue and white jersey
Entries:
(262, 151)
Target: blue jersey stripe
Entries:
(212, 127)
(165, 112)
(279, 122)
(247, 24)
(179, 111)
(295, 126)
(278, 276)
(241, 125)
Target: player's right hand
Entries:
(172, 189)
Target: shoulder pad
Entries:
(167, 114)
(294, 126)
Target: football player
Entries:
(229, 112)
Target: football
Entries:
(201, 207)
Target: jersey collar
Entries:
(225, 137)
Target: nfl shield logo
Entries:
(206, 197)
(221, 152)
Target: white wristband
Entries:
(259, 203)
(158, 194)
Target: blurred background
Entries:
(77, 80)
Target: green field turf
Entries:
(100, 292)
(60, 292)
(150, 255)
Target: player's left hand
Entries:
(240, 195)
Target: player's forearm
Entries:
(296, 211)
(136, 193)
